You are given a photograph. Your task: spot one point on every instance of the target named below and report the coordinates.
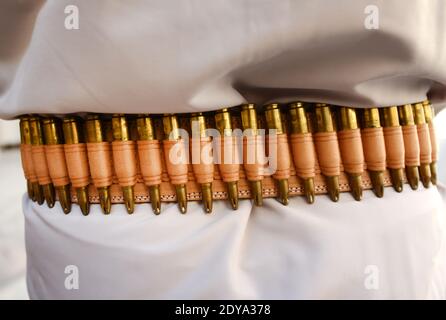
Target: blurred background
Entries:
(12, 188)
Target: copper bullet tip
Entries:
(397, 179)
(413, 177)
(63, 192)
(355, 181)
(433, 166)
(333, 187)
(233, 194)
(155, 199)
(425, 174)
(283, 191)
(29, 188)
(38, 193)
(129, 200)
(206, 191)
(105, 199)
(309, 190)
(181, 197)
(256, 187)
(377, 179)
(49, 194)
(82, 200)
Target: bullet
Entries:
(429, 115)
(325, 123)
(274, 122)
(29, 189)
(420, 120)
(224, 125)
(254, 170)
(203, 169)
(73, 134)
(371, 119)
(146, 133)
(348, 121)
(406, 118)
(121, 132)
(37, 140)
(25, 140)
(300, 125)
(391, 119)
(172, 134)
(53, 136)
(96, 134)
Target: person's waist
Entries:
(235, 153)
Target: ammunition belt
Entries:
(320, 149)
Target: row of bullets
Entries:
(81, 140)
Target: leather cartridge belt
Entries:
(244, 152)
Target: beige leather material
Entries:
(228, 155)
(77, 164)
(433, 138)
(394, 142)
(253, 157)
(176, 160)
(425, 143)
(124, 159)
(282, 156)
(99, 159)
(411, 146)
(352, 153)
(40, 166)
(327, 149)
(304, 154)
(374, 148)
(55, 159)
(202, 159)
(149, 153)
(27, 162)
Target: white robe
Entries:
(159, 56)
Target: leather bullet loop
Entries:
(27, 163)
(304, 154)
(411, 145)
(204, 169)
(40, 166)
(175, 157)
(99, 159)
(57, 167)
(283, 157)
(352, 153)
(425, 143)
(394, 142)
(77, 164)
(229, 166)
(150, 161)
(374, 148)
(253, 153)
(124, 159)
(327, 149)
(433, 138)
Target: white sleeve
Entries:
(161, 56)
